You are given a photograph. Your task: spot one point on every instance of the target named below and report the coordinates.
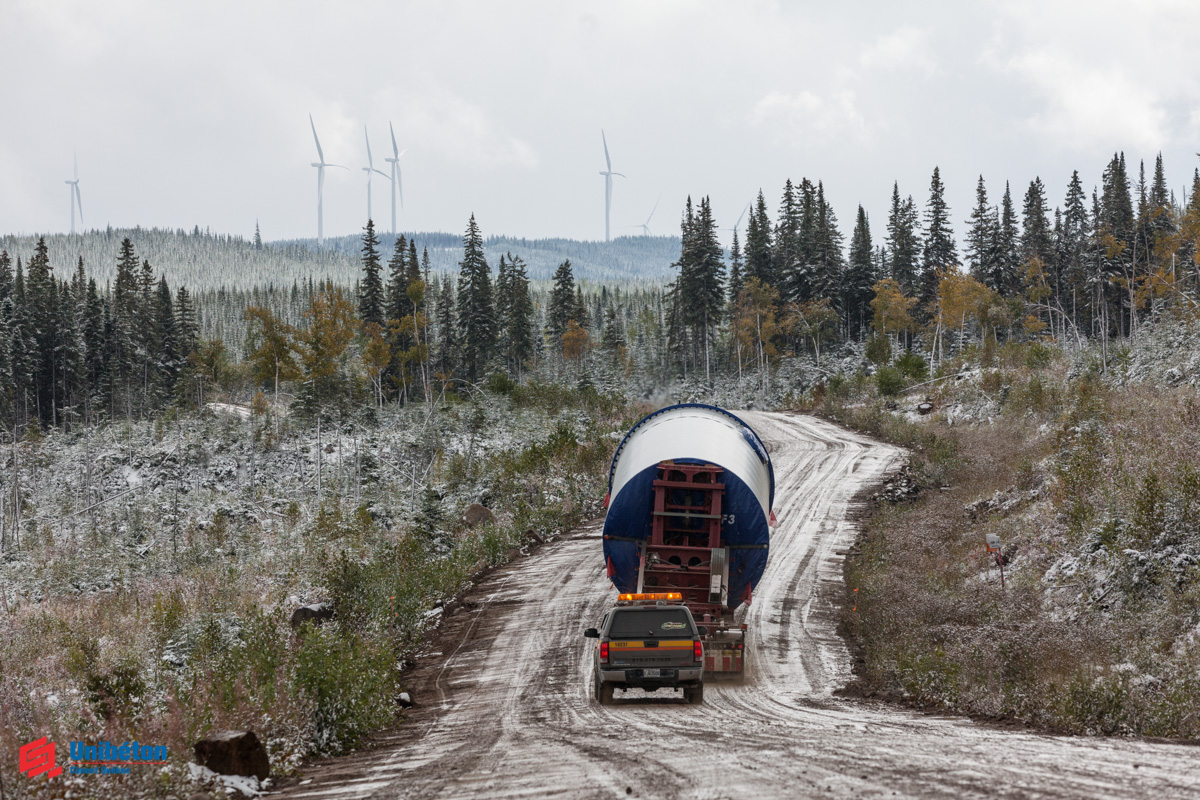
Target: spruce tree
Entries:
(503, 305)
(1075, 228)
(447, 349)
(860, 276)
(790, 270)
(476, 309)
(1162, 223)
(1005, 277)
(826, 255)
(939, 254)
(6, 278)
(1036, 241)
(371, 299)
(41, 316)
(980, 236)
(580, 314)
(397, 286)
(93, 338)
(903, 241)
(736, 279)
(186, 323)
(611, 338)
(759, 246)
(561, 308)
(519, 318)
(169, 361)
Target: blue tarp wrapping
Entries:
(699, 434)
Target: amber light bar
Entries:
(625, 598)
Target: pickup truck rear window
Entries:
(666, 623)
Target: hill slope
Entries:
(203, 260)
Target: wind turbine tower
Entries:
(608, 184)
(396, 179)
(320, 165)
(370, 170)
(75, 197)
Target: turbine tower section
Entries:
(370, 170)
(76, 198)
(320, 164)
(396, 180)
(608, 186)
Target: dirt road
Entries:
(505, 712)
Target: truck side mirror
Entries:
(591, 633)
(701, 630)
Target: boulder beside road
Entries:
(234, 753)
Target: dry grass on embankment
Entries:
(1094, 491)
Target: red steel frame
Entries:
(687, 526)
(678, 555)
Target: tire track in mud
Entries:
(518, 721)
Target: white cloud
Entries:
(804, 117)
(1086, 104)
(905, 47)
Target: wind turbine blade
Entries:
(402, 152)
(339, 166)
(616, 173)
(370, 161)
(743, 216)
(320, 153)
(393, 132)
(79, 201)
(381, 172)
(653, 210)
(607, 160)
(76, 155)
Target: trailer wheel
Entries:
(694, 694)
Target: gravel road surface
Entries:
(504, 709)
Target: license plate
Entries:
(653, 673)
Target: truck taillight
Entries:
(604, 652)
(698, 650)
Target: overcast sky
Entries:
(197, 113)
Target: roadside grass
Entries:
(1094, 492)
(204, 643)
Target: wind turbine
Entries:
(645, 226)
(370, 170)
(320, 165)
(76, 199)
(396, 178)
(608, 184)
(739, 222)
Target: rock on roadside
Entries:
(234, 753)
(477, 514)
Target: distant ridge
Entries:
(626, 258)
(203, 260)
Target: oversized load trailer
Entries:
(689, 511)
